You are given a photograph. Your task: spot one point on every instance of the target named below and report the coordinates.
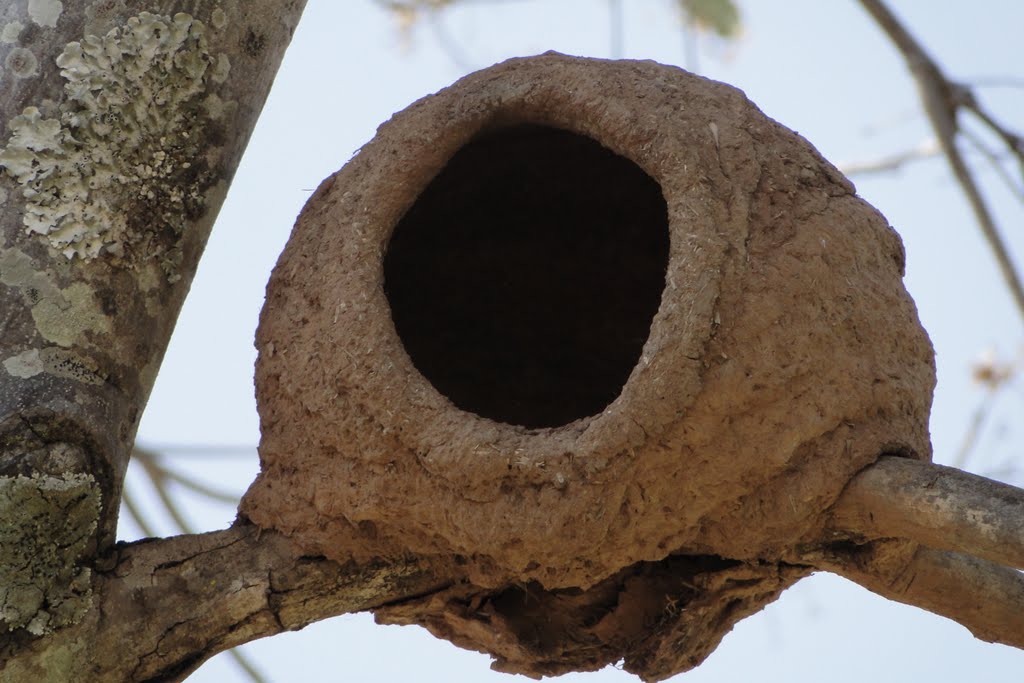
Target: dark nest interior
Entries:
(524, 278)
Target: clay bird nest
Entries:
(600, 340)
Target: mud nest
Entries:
(598, 339)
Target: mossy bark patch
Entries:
(49, 523)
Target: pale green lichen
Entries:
(24, 365)
(17, 269)
(65, 318)
(217, 108)
(113, 171)
(59, 661)
(49, 522)
(21, 63)
(219, 19)
(55, 361)
(45, 12)
(10, 32)
(101, 16)
(221, 69)
(62, 316)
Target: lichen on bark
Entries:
(117, 164)
(49, 522)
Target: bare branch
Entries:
(273, 589)
(196, 595)
(135, 512)
(247, 667)
(942, 99)
(970, 439)
(160, 473)
(616, 28)
(998, 82)
(81, 388)
(447, 43)
(994, 161)
(894, 162)
(985, 598)
(1012, 141)
(937, 506)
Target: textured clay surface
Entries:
(590, 515)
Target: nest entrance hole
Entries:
(524, 279)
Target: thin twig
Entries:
(150, 460)
(448, 45)
(159, 479)
(998, 82)
(616, 27)
(135, 512)
(995, 162)
(246, 666)
(204, 450)
(1012, 141)
(983, 410)
(691, 56)
(942, 99)
(926, 150)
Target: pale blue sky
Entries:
(820, 68)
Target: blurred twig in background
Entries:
(720, 18)
(993, 374)
(943, 100)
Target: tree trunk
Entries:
(120, 131)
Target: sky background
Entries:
(820, 68)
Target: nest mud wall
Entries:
(600, 340)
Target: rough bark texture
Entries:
(121, 124)
(941, 507)
(784, 357)
(163, 607)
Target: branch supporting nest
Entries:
(183, 612)
(940, 507)
(971, 531)
(983, 597)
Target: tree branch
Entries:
(992, 157)
(942, 99)
(109, 198)
(970, 531)
(894, 162)
(159, 477)
(985, 598)
(165, 606)
(940, 507)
